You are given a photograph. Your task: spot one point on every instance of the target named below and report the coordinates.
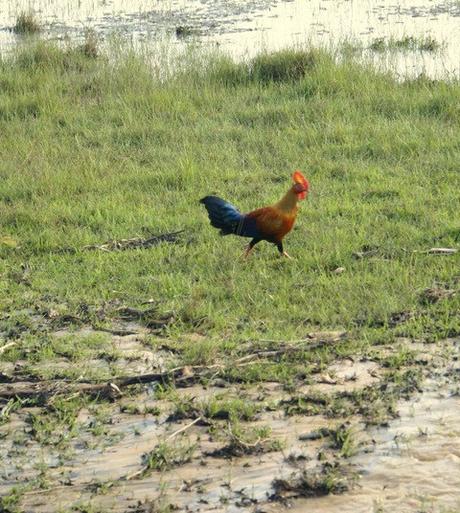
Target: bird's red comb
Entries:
(298, 177)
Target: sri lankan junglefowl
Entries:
(271, 223)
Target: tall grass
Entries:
(94, 149)
(27, 23)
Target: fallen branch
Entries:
(313, 341)
(180, 375)
(7, 346)
(439, 251)
(112, 389)
(135, 242)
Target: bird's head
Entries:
(301, 185)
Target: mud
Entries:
(100, 459)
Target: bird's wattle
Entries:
(301, 195)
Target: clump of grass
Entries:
(306, 404)
(407, 43)
(90, 46)
(282, 66)
(200, 353)
(244, 440)
(184, 407)
(9, 503)
(429, 44)
(378, 44)
(231, 409)
(278, 67)
(330, 478)
(11, 406)
(185, 31)
(56, 425)
(47, 56)
(344, 440)
(27, 23)
(166, 456)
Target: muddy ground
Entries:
(354, 435)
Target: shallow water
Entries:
(414, 465)
(243, 28)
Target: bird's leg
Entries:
(247, 251)
(250, 247)
(283, 253)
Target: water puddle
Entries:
(412, 466)
(244, 28)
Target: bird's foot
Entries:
(284, 254)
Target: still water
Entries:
(243, 28)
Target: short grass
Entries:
(94, 149)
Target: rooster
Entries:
(267, 223)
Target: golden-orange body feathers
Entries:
(276, 221)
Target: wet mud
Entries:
(146, 450)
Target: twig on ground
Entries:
(182, 429)
(438, 251)
(49, 388)
(7, 346)
(135, 242)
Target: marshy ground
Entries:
(144, 373)
(408, 37)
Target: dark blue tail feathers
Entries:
(223, 215)
(229, 219)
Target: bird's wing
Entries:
(272, 223)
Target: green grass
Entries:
(94, 149)
(407, 43)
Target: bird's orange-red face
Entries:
(301, 185)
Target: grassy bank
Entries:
(93, 151)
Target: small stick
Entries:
(6, 346)
(438, 251)
(181, 430)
